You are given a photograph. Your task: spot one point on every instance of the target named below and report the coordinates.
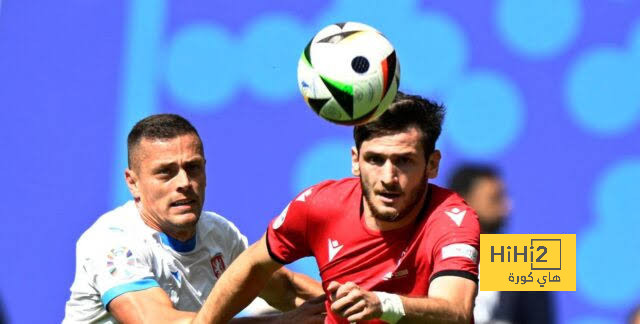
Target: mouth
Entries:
(183, 202)
(388, 197)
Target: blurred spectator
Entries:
(3, 317)
(484, 190)
(634, 317)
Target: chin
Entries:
(387, 214)
(188, 219)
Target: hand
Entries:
(353, 303)
(310, 312)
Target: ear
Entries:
(131, 178)
(433, 165)
(355, 166)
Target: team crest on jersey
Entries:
(120, 262)
(217, 263)
(280, 220)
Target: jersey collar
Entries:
(177, 245)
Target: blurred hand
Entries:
(353, 303)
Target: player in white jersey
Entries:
(156, 258)
(120, 253)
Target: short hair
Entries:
(464, 177)
(160, 126)
(404, 112)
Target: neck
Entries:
(182, 234)
(381, 225)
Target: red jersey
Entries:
(325, 221)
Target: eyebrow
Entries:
(403, 154)
(163, 164)
(195, 160)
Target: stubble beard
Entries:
(396, 215)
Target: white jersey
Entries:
(120, 253)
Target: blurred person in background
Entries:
(634, 317)
(3, 318)
(484, 190)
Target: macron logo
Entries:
(395, 275)
(456, 215)
(334, 248)
(304, 195)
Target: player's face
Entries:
(393, 173)
(169, 182)
(488, 198)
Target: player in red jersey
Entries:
(390, 247)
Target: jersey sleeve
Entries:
(114, 265)
(456, 249)
(287, 233)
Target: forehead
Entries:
(404, 142)
(154, 150)
(487, 185)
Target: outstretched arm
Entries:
(287, 290)
(154, 306)
(239, 284)
(151, 305)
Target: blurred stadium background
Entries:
(547, 90)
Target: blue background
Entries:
(548, 90)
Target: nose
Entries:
(389, 175)
(182, 179)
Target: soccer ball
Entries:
(348, 73)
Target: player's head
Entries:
(483, 189)
(395, 155)
(166, 173)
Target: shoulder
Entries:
(329, 191)
(450, 211)
(315, 204)
(114, 229)
(323, 199)
(443, 196)
(115, 223)
(341, 186)
(213, 224)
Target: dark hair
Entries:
(406, 111)
(160, 126)
(464, 177)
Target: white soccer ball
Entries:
(349, 73)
